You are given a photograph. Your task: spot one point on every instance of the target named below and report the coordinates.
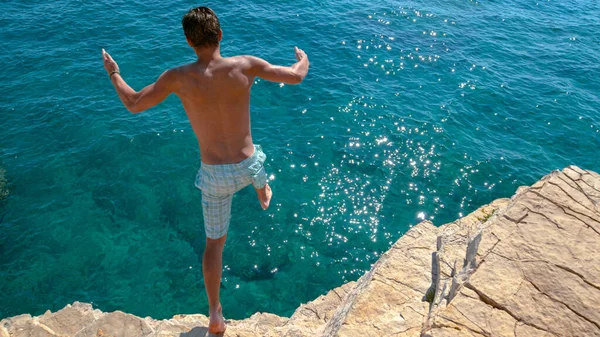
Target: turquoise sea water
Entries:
(411, 110)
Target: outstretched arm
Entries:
(289, 75)
(144, 99)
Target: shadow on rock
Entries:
(198, 332)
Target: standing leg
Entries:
(212, 267)
(217, 213)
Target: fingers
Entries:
(106, 56)
(300, 54)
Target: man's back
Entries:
(216, 98)
(215, 93)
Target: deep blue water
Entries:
(411, 110)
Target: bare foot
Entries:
(216, 323)
(264, 196)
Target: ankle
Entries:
(216, 309)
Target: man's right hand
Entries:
(109, 64)
(300, 54)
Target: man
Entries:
(215, 93)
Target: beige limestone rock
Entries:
(117, 324)
(72, 318)
(538, 269)
(519, 267)
(25, 325)
(322, 308)
(389, 298)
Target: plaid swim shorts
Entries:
(220, 182)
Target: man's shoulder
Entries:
(240, 57)
(243, 60)
(244, 63)
(182, 71)
(181, 68)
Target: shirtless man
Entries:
(215, 92)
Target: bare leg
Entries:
(264, 196)
(212, 268)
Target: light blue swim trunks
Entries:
(220, 182)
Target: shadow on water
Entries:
(252, 272)
(260, 272)
(249, 274)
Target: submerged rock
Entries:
(3, 184)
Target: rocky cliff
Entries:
(525, 266)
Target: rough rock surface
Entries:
(525, 266)
(537, 270)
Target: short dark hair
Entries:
(201, 26)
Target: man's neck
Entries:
(205, 55)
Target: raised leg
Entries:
(212, 268)
(264, 196)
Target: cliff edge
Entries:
(525, 266)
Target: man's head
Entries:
(201, 27)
